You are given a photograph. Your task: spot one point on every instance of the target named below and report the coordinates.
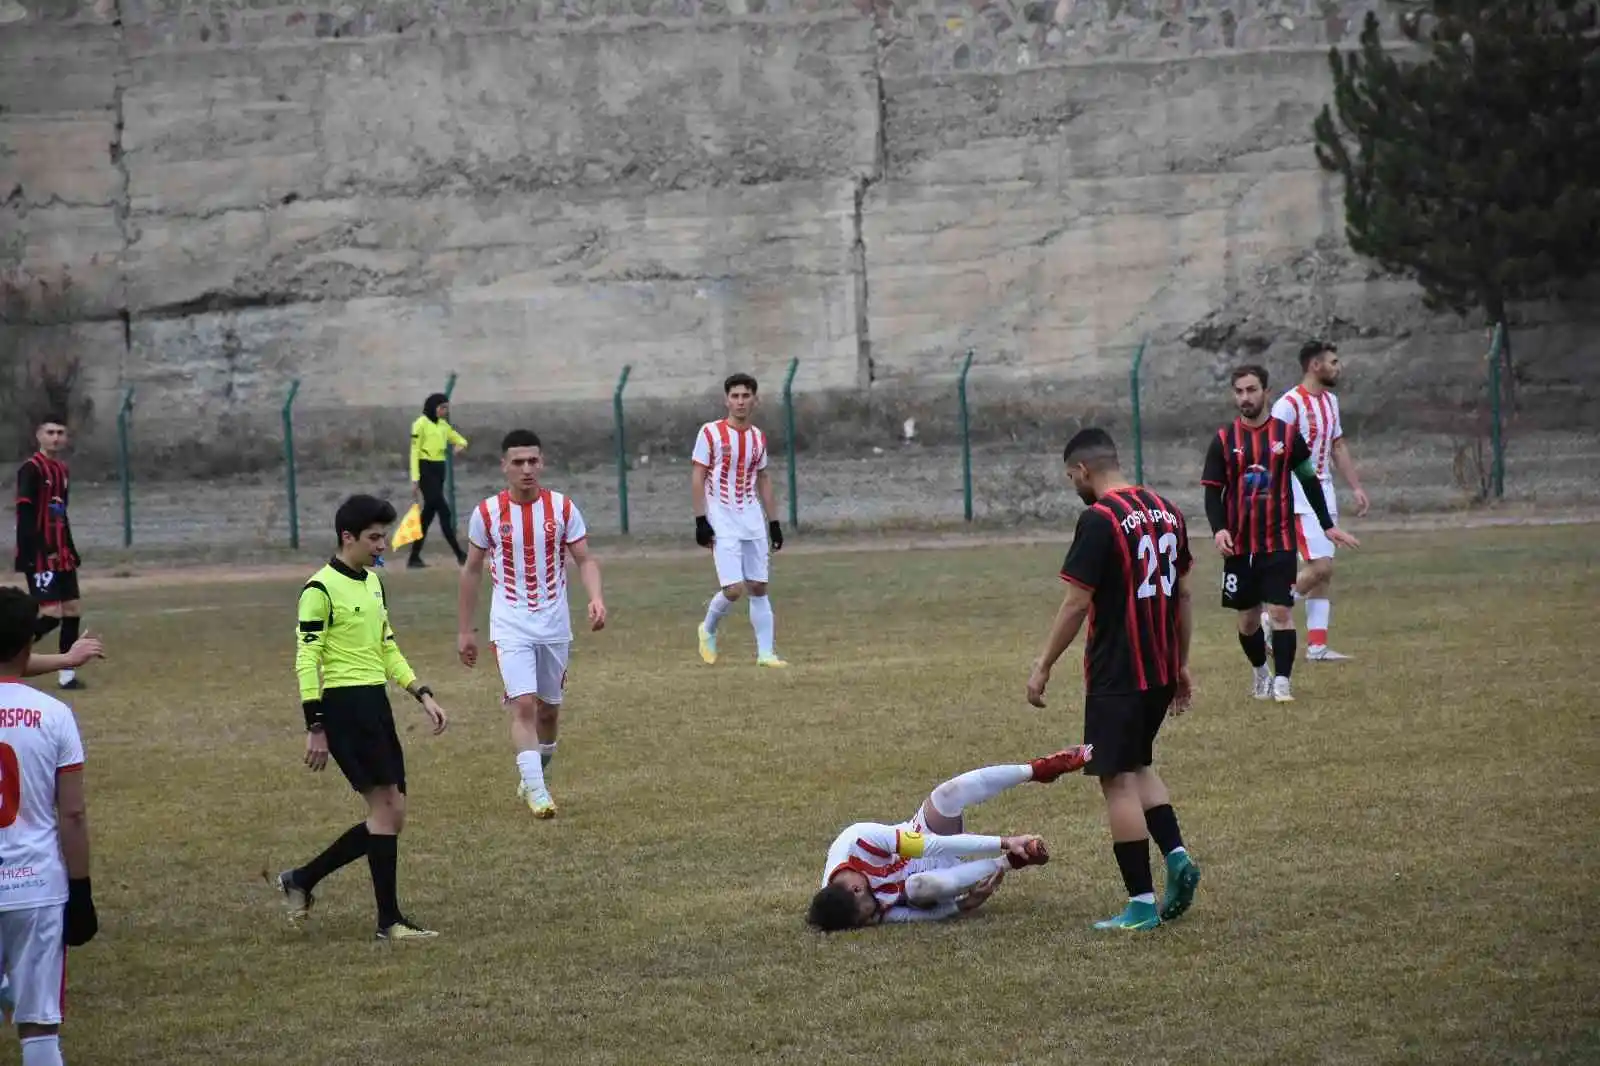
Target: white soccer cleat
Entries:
(1281, 691)
(1263, 684)
(1321, 653)
(538, 800)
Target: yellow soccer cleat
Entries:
(771, 660)
(538, 801)
(708, 645)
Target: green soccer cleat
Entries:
(1135, 917)
(1183, 877)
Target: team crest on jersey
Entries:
(549, 529)
(1277, 447)
(505, 529)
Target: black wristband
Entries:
(79, 887)
(313, 713)
(421, 691)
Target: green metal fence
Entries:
(1494, 386)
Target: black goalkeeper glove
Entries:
(775, 535)
(703, 533)
(81, 921)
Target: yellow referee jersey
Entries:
(344, 635)
(429, 439)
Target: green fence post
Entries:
(288, 461)
(788, 436)
(1138, 426)
(966, 438)
(1497, 442)
(125, 467)
(450, 454)
(622, 445)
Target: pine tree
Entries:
(1475, 167)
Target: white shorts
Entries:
(33, 953)
(1313, 540)
(740, 560)
(534, 670)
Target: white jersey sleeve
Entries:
(761, 451)
(1285, 411)
(574, 527)
(702, 447)
(1337, 429)
(69, 743)
(477, 531)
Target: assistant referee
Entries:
(431, 435)
(344, 656)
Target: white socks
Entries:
(531, 768)
(934, 886)
(42, 1051)
(1317, 613)
(761, 622)
(975, 786)
(718, 607)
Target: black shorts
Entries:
(359, 725)
(1123, 729)
(53, 586)
(1248, 581)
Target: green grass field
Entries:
(1400, 867)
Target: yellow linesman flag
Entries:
(410, 528)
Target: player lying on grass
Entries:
(930, 868)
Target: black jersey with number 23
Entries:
(1129, 550)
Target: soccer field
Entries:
(1399, 867)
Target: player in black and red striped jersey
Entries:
(1127, 576)
(46, 555)
(1249, 472)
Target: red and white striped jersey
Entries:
(887, 855)
(526, 544)
(1316, 416)
(38, 741)
(732, 458)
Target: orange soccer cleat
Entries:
(1050, 767)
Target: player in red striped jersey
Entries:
(1249, 469)
(928, 867)
(525, 534)
(46, 555)
(1127, 576)
(1313, 408)
(731, 493)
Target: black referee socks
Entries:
(342, 852)
(383, 859)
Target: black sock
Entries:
(383, 858)
(1162, 822)
(1255, 648)
(342, 852)
(1283, 642)
(1133, 859)
(43, 625)
(69, 632)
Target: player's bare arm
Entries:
(703, 534)
(83, 651)
(589, 574)
(1063, 631)
(72, 809)
(467, 606)
(1345, 463)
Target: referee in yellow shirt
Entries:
(345, 654)
(431, 434)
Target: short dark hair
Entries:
(360, 513)
(834, 908)
(1314, 349)
(1254, 370)
(519, 438)
(18, 613)
(733, 381)
(50, 418)
(1092, 447)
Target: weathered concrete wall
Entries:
(206, 200)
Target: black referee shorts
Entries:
(1123, 727)
(1248, 581)
(359, 725)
